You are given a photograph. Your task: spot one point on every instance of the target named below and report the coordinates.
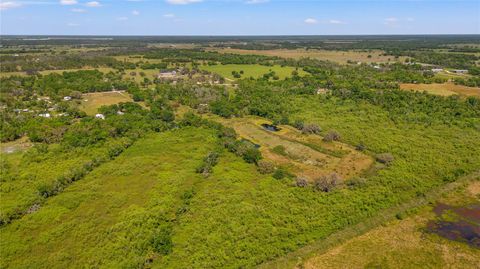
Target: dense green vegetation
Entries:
(154, 184)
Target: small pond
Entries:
(271, 127)
(457, 223)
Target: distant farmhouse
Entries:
(167, 74)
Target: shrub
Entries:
(385, 158)
(279, 173)
(208, 163)
(356, 182)
(361, 147)
(161, 240)
(280, 150)
(301, 182)
(298, 124)
(311, 129)
(252, 155)
(265, 167)
(331, 136)
(327, 183)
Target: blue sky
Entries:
(239, 17)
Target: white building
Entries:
(67, 98)
(100, 116)
(45, 115)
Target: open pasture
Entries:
(445, 89)
(341, 57)
(250, 70)
(93, 101)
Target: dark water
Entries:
(465, 226)
(270, 127)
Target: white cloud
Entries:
(68, 2)
(93, 4)
(310, 21)
(256, 1)
(182, 2)
(78, 10)
(169, 16)
(410, 19)
(71, 24)
(122, 18)
(9, 5)
(135, 12)
(392, 21)
(336, 22)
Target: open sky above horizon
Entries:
(239, 17)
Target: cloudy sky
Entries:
(239, 17)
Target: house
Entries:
(167, 74)
(44, 115)
(100, 116)
(376, 66)
(460, 71)
(67, 98)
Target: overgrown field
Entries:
(149, 207)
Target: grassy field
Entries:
(405, 244)
(331, 55)
(305, 155)
(91, 102)
(445, 89)
(250, 70)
